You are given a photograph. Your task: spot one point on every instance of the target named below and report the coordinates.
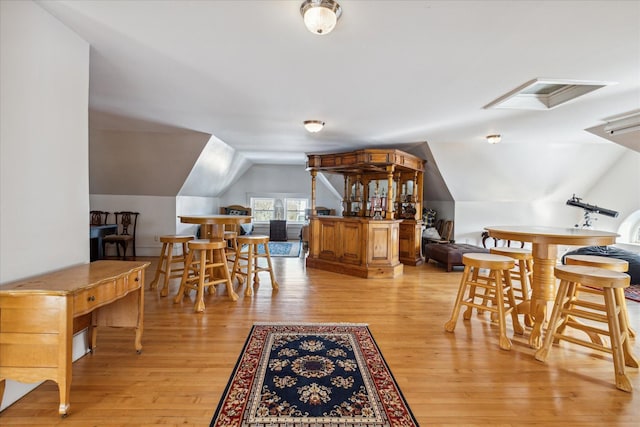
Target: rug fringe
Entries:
(309, 324)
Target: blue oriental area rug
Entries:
(312, 375)
(282, 249)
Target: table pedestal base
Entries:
(543, 291)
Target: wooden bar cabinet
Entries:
(381, 224)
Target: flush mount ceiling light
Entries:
(313, 126)
(320, 16)
(493, 139)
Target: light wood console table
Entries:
(39, 315)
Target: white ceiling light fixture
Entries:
(494, 139)
(320, 16)
(313, 126)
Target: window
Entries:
(292, 209)
(629, 229)
(296, 209)
(263, 209)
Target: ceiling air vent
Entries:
(623, 123)
(545, 94)
(623, 129)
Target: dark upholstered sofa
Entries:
(449, 254)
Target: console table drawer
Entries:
(87, 300)
(129, 283)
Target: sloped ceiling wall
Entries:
(523, 172)
(157, 160)
(217, 167)
(135, 157)
(435, 187)
(148, 159)
(140, 158)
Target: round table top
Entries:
(552, 235)
(215, 219)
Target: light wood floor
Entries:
(448, 379)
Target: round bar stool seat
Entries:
(247, 261)
(169, 265)
(522, 274)
(497, 290)
(613, 264)
(568, 307)
(206, 266)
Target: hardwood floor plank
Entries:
(448, 379)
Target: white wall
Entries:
(157, 217)
(518, 183)
(445, 209)
(278, 180)
(191, 205)
(275, 179)
(619, 190)
(472, 217)
(44, 184)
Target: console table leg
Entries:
(63, 410)
(139, 340)
(64, 388)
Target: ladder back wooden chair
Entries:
(127, 222)
(98, 217)
(445, 231)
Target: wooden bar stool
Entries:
(568, 307)
(231, 237)
(207, 262)
(521, 273)
(613, 264)
(167, 261)
(497, 290)
(247, 261)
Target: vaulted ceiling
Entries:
(391, 73)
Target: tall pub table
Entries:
(545, 241)
(212, 226)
